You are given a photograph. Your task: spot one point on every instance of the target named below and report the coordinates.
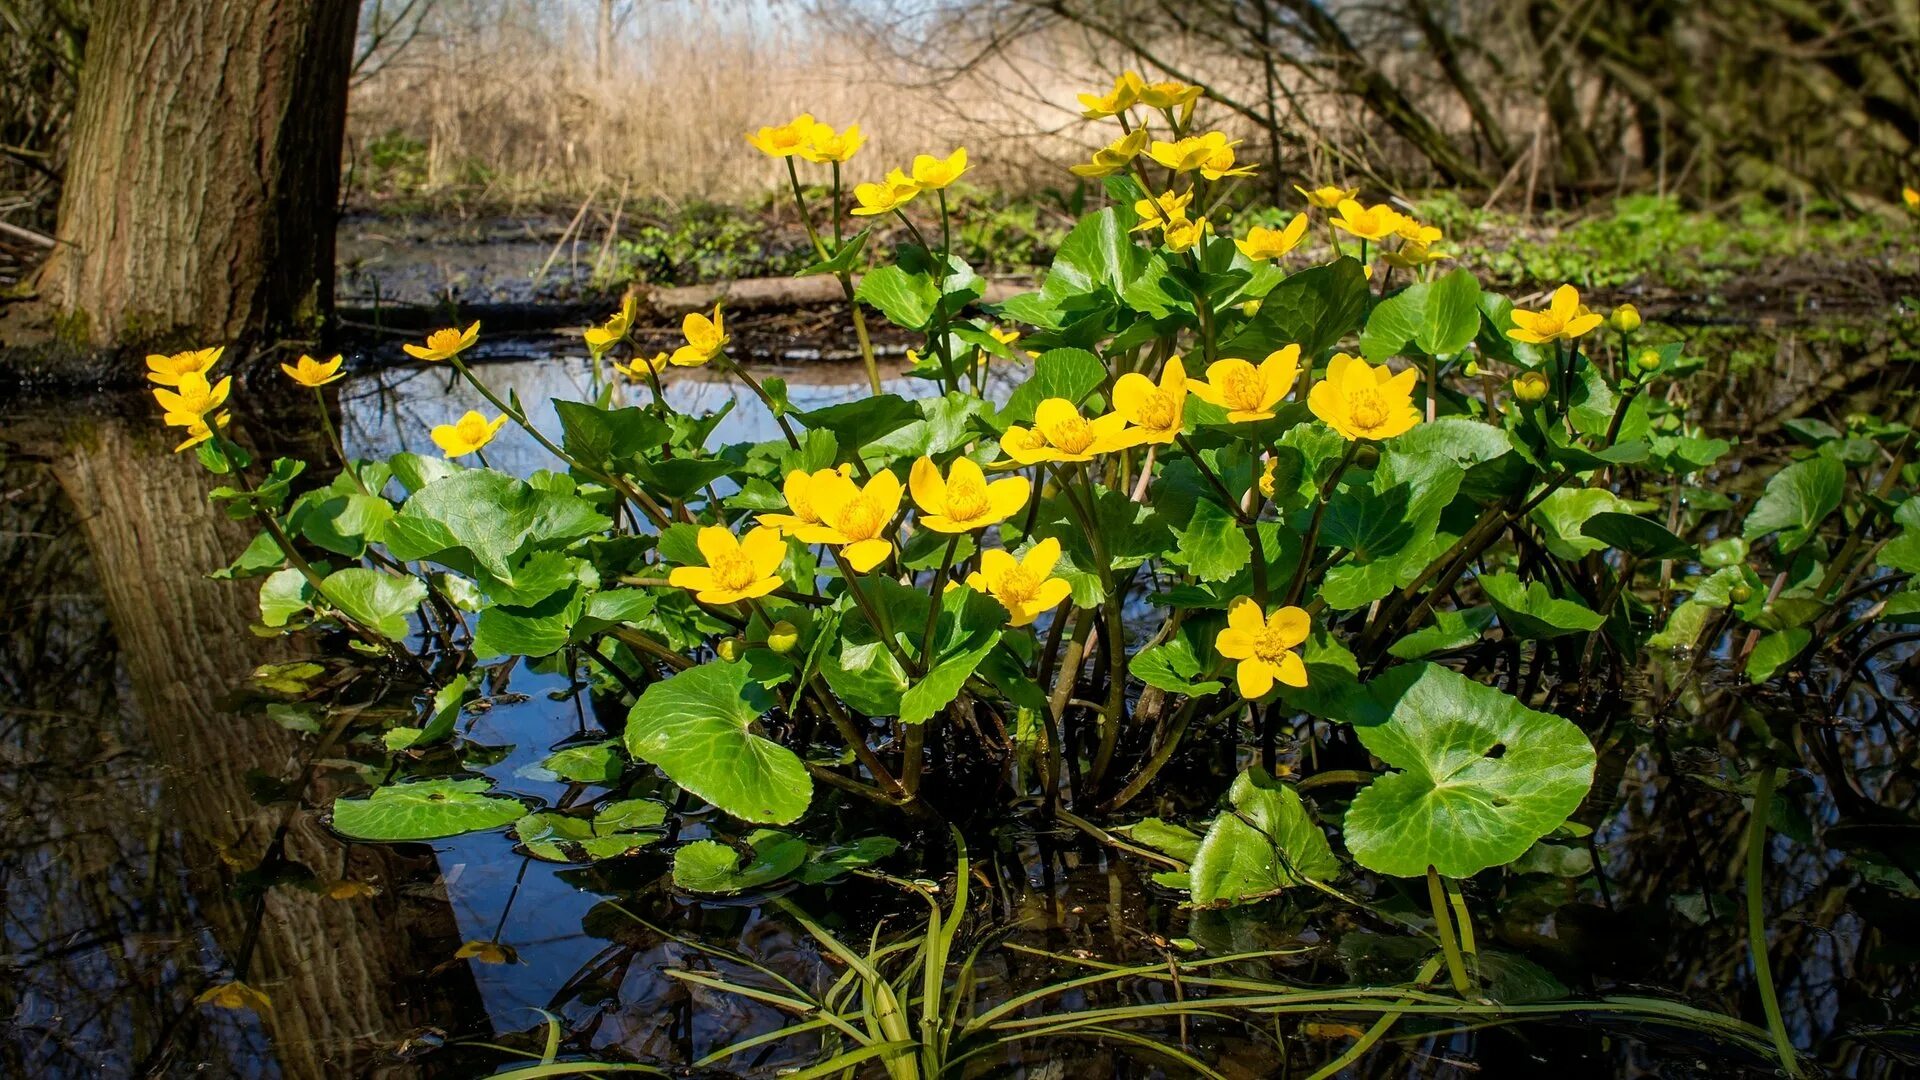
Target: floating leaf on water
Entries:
(708, 866)
(234, 995)
(425, 810)
(695, 728)
(487, 952)
(1265, 843)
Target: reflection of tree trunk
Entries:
(346, 978)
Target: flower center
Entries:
(802, 507)
(733, 571)
(1270, 645)
(442, 340)
(1367, 409)
(1073, 435)
(1017, 586)
(861, 520)
(1243, 388)
(967, 499)
(1156, 411)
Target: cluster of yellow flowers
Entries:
(808, 139)
(898, 189)
(188, 398)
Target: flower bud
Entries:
(783, 637)
(1647, 360)
(1472, 369)
(730, 648)
(1531, 387)
(1366, 456)
(1740, 594)
(1625, 318)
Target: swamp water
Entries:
(162, 836)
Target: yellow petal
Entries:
(1255, 678)
(764, 548)
(1008, 495)
(1233, 643)
(864, 555)
(1040, 558)
(716, 544)
(929, 489)
(1291, 625)
(1244, 615)
(1293, 671)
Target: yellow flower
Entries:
(1531, 386)
(1566, 318)
(933, 173)
(1169, 95)
(166, 370)
(1004, 337)
(1162, 210)
(1219, 163)
(854, 519)
(736, 569)
(1125, 92)
(705, 339)
(1263, 645)
(234, 995)
(823, 144)
(1182, 235)
(1113, 157)
(798, 488)
(1262, 244)
(1156, 411)
(1025, 586)
(1376, 222)
(963, 500)
(444, 344)
(1248, 392)
(467, 434)
(1911, 198)
(1059, 433)
(614, 330)
(1266, 476)
(895, 191)
(1625, 318)
(312, 373)
(785, 140)
(1412, 256)
(638, 367)
(192, 399)
(1197, 152)
(1415, 233)
(1364, 402)
(1326, 197)
(198, 431)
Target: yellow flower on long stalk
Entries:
(933, 173)
(964, 500)
(1413, 232)
(167, 370)
(823, 144)
(1361, 401)
(1412, 256)
(312, 373)
(636, 369)
(1264, 646)
(736, 569)
(1026, 586)
(1565, 319)
(896, 191)
(706, 338)
(1113, 157)
(1124, 95)
(1248, 392)
(1375, 223)
(1156, 410)
(1169, 95)
(1262, 244)
(1060, 433)
(854, 519)
(467, 434)
(444, 344)
(1182, 235)
(786, 139)
(1326, 197)
(798, 489)
(191, 399)
(1162, 210)
(614, 330)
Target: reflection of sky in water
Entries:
(393, 410)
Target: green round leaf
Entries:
(694, 726)
(1532, 612)
(621, 828)
(425, 810)
(1482, 778)
(709, 866)
(1267, 842)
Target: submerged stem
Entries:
(1757, 921)
(1443, 923)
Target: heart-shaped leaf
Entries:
(695, 727)
(1265, 843)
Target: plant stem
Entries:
(1299, 583)
(761, 393)
(333, 439)
(1443, 923)
(1757, 920)
(934, 591)
(1219, 488)
(881, 626)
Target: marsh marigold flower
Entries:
(1025, 586)
(191, 399)
(1530, 387)
(467, 434)
(798, 489)
(1113, 157)
(1161, 211)
(933, 173)
(1212, 153)
(885, 197)
(1326, 197)
(1624, 319)
(1911, 198)
(1565, 319)
(1169, 95)
(963, 500)
(824, 145)
(1264, 646)
(636, 369)
(1376, 222)
(1361, 401)
(444, 344)
(1219, 164)
(1156, 411)
(1413, 232)
(1060, 433)
(854, 519)
(1004, 337)
(1413, 256)
(736, 569)
(1262, 244)
(313, 373)
(167, 370)
(1181, 235)
(784, 140)
(1248, 392)
(1124, 95)
(705, 339)
(614, 330)
(200, 431)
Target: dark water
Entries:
(161, 836)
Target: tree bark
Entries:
(201, 189)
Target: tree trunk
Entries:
(202, 183)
